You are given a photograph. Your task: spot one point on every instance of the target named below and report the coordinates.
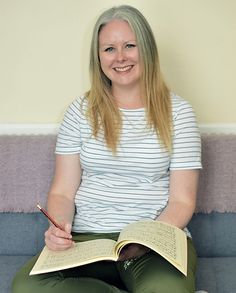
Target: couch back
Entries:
(26, 170)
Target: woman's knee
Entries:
(20, 284)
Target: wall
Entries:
(45, 45)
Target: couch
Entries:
(26, 169)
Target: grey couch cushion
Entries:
(22, 233)
(214, 234)
(9, 265)
(210, 233)
(217, 274)
(216, 264)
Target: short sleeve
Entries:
(69, 136)
(186, 151)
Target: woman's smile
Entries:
(119, 54)
(124, 68)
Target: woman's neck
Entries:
(128, 98)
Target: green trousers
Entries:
(147, 274)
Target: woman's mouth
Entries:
(123, 69)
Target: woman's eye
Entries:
(110, 49)
(130, 46)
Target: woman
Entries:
(127, 150)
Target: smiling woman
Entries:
(128, 150)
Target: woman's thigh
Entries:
(94, 278)
(99, 277)
(152, 273)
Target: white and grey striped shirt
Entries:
(133, 184)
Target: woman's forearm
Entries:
(61, 208)
(177, 213)
(182, 200)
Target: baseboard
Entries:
(27, 129)
(227, 128)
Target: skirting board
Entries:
(29, 129)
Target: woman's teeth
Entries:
(123, 69)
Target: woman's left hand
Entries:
(132, 251)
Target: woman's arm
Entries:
(182, 198)
(61, 200)
(179, 210)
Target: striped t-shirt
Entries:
(133, 184)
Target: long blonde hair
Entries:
(102, 112)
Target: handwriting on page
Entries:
(155, 234)
(82, 252)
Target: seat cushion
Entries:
(9, 265)
(217, 275)
(214, 234)
(24, 234)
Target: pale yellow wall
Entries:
(44, 48)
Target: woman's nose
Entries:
(120, 56)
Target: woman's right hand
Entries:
(57, 239)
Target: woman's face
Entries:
(119, 54)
